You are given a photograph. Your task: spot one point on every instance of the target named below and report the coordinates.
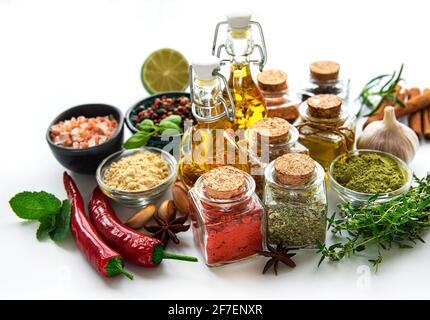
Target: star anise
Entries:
(166, 230)
(276, 255)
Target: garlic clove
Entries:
(389, 135)
(180, 197)
(141, 217)
(167, 211)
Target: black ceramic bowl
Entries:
(153, 141)
(86, 161)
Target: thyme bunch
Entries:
(399, 221)
(375, 92)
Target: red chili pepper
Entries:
(106, 261)
(134, 246)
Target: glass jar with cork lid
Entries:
(226, 216)
(266, 140)
(296, 202)
(326, 128)
(325, 78)
(280, 101)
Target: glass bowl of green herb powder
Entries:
(360, 175)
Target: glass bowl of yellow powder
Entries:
(138, 176)
(360, 175)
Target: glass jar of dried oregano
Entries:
(296, 201)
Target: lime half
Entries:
(165, 70)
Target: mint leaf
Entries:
(47, 224)
(174, 118)
(137, 140)
(62, 223)
(34, 205)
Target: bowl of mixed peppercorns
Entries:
(158, 107)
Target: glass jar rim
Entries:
(293, 137)
(340, 119)
(328, 82)
(107, 162)
(318, 177)
(249, 191)
(340, 78)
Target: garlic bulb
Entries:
(391, 136)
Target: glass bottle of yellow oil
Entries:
(211, 142)
(239, 45)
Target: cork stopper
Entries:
(324, 70)
(325, 106)
(272, 80)
(224, 182)
(274, 130)
(294, 169)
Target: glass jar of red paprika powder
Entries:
(226, 216)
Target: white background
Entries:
(57, 54)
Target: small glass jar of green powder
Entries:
(296, 201)
(360, 175)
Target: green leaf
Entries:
(137, 140)
(331, 220)
(399, 75)
(400, 102)
(389, 83)
(377, 79)
(146, 125)
(62, 223)
(335, 246)
(35, 205)
(147, 122)
(173, 118)
(384, 91)
(360, 248)
(47, 224)
(405, 246)
(399, 221)
(371, 113)
(168, 125)
(170, 132)
(321, 260)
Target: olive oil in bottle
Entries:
(249, 102)
(211, 142)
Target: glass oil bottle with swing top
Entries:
(249, 101)
(211, 142)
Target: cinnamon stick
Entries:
(426, 117)
(415, 104)
(379, 114)
(415, 119)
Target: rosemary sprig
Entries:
(399, 221)
(377, 90)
